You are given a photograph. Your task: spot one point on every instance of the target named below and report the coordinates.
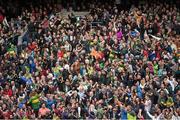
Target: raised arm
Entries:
(151, 116)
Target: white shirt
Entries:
(175, 117)
(148, 105)
(153, 117)
(172, 83)
(66, 67)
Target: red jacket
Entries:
(8, 92)
(145, 53)
(7, 114)
(60, 54)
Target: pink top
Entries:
(119, 35)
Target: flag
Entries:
(157, 38)
(3, 20)
(5, 23)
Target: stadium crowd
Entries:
(109, 64)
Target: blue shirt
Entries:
(123, 114)
(139, 91)
(49, 103)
